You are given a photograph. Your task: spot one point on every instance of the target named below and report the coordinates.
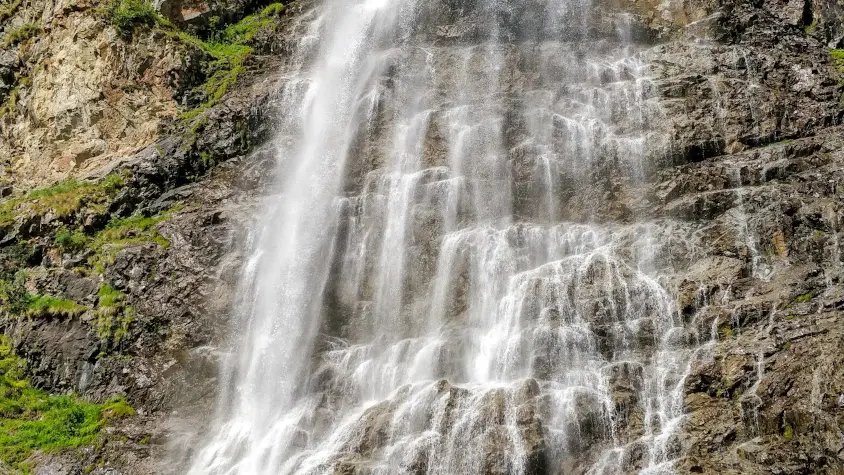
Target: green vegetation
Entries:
(62, 199)
(727, 332)
(23, 33)
(787, 431)
(11, 104)
(68, 240)
(838, 58)
(113, 314)
(228, 49)
(126, 15)
(59, 307)
(122, 232)
(803, 298)
(811, 27)
(31, 419)
(8, 10)
(14, 298)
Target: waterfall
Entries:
(451, 275)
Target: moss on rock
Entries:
(34, 420)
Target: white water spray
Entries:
(441, 284)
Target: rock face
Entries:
(747, 165)
(89, 98)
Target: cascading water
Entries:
(448, 280)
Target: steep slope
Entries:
(749, 172)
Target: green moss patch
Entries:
(788, 432)
(114, 314)
(228, 49)
(55, 306)
(838, 57)
(33, 420)
(62, 199)
(122, 232)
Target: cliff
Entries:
(137, 140)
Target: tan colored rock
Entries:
(92, 98)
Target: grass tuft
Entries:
(229, 49)
(122, 232)
(32, 419)
(62, 199)
(8, 10)
(55, 306)
(23, 33)
(114, 314)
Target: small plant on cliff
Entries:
(228, 49)
(122, 232)
(55, 306)
(11, 105)
(68, 240)
(811, 26)
(31, 419)
(9, 9)
(62, 199)
(114, 314)
(14, 298)
(126, 15)
(788, 432)
(838, 58)
(20, 34)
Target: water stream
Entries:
(446, 278)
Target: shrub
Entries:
(126, 15)
(70, 240)
(14, 298)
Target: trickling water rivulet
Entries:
(447, 280)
